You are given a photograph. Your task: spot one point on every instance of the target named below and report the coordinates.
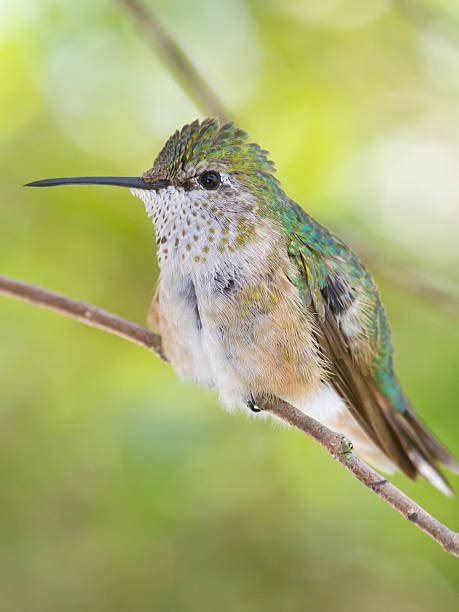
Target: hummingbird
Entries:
(257, 299)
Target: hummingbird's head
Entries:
(202, 157)
(205, 191)
(215, 182)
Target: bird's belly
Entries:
(175, 315)
(246, 332)
(258, 340)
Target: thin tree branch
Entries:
(340, 448)
(85, 313)
(192, 81)
(429, 20)
(189, 77)
(429, 288)
(337, 445)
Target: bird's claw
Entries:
(345, 444)
(250, 403)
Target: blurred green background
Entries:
(122, 488)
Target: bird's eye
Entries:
(209, 179)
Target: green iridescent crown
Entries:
(223, 146)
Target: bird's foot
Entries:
(344, 445)
(250, 403)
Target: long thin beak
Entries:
(120, 181)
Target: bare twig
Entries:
(85, 313)
(336, 444)
(340, 448)
(184, 70)
(429, 289)
(438, 292)
(428, 19)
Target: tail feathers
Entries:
(430, 473)
(422, 460)
(424, 450)
(435, 448)
(399, 435)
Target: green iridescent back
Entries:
(327, 255)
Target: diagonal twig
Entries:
(428, 288)
(336, 445)
(429, 20)
(80, 311)
(183, 68)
